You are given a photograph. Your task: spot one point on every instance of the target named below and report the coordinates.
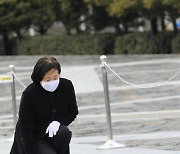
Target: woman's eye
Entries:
(55, 78)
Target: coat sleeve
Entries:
(26, 124)
(72, 111)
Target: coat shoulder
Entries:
(65, 81)
(31, 89)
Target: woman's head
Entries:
(46, 69)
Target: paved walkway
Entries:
(90, 148)
(145, 120)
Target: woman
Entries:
(47, 107)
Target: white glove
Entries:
(53, 128)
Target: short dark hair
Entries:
(44, 65)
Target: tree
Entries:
(69, 13)
(119, 12)
(152, 10)
(98, 18)
(42, 15)
(125, 10)
(13, 16)
(173, 8)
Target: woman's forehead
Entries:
(52, 72)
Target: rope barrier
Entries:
(18, 79)
(98, 70)
(123, 80)
(137, 86)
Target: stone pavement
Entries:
(81, 148)
(145, 120)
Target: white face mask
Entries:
(50, 85)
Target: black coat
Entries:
(38, 108)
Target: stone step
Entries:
(131, 116)
(7, 120)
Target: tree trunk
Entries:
(125, 27)
(173, 18)
(7, 48)
(78, 31)
(162, 23)
(117, 28)
(19, 35)
(42, 30)
(68, 30)
(154, 25)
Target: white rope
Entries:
(18, 79)
(137, 86)
(98, 69)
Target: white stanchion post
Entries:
(9, 78)
(13, 93)
(110, 143)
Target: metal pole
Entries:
(106, 97)
(13, 93)
(110, 143)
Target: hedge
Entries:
(12, 44)
(67, 45)
(1, 46)
(96, 44)
(176, 44)
(144, 43)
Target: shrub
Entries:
(67, 45)
(1, 46)
(143, 43)
(133, 43)
(163, 42)
(176, 44)
(12, 45)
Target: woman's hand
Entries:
(53, 128)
